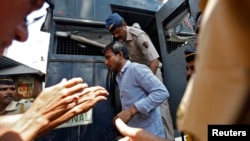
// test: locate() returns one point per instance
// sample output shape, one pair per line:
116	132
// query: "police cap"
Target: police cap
190	54
6	80
113	21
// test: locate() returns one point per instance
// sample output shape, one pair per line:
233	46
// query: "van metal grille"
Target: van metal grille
71	47
179	28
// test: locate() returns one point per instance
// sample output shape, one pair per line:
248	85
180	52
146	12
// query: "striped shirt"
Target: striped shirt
140	87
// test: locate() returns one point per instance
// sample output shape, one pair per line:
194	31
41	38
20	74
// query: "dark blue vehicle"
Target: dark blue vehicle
78	35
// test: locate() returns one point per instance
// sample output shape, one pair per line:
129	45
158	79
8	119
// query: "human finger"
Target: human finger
83	105
94	93
125	139
93	89
63	80
74	89
123	128
88	100
135	134
72	104
71	82
53	101
64	88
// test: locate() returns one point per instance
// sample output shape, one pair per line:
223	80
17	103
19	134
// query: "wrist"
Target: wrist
29	125
133	110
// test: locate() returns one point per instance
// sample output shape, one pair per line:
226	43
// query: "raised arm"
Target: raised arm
135	134
52	107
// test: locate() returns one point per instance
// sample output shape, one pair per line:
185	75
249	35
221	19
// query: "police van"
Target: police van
78	36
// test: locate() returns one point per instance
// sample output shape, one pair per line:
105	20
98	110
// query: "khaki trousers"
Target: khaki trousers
165	113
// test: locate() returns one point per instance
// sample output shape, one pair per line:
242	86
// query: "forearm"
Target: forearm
153	65
8	120
29	126
151	102
127	115
133	110
146	136
6	132
53	124
20	127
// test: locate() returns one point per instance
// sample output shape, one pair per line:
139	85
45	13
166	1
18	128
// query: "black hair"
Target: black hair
190	58
190	54
117	47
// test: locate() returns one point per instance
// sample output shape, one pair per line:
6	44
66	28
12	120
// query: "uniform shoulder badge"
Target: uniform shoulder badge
145	44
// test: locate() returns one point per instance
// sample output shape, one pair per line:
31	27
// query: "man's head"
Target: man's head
13	20
7	89
190	54
117	26
116	55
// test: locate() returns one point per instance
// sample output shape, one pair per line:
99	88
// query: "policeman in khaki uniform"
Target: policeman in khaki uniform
141	50
190	54
7	104
219	90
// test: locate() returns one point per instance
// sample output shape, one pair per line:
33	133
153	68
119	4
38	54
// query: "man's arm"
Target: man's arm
126	115
9	135
55	105
135	134
153	65
8	120
156	90
149	51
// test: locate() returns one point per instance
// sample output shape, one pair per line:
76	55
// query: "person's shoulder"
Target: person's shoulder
138	66
135	31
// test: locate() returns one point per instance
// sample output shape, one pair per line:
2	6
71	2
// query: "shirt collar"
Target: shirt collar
124	68
11	107
129	36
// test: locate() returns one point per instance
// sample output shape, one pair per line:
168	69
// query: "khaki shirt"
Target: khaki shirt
140	46
18	107
218	92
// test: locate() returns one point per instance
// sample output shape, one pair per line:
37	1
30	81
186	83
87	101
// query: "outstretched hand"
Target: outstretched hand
135	134
89	97
57	104
54	101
